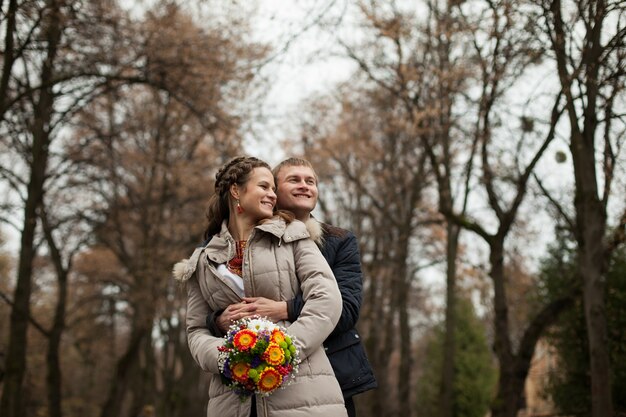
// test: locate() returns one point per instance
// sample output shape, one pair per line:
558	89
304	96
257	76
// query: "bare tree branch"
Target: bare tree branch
32	321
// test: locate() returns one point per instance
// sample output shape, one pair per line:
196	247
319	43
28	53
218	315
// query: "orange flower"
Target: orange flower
274	355
269	380
277	336
240	371
244	339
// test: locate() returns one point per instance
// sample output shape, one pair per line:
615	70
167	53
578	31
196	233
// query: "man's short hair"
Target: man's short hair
293	162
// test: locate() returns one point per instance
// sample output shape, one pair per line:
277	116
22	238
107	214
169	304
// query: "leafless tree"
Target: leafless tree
60	58
586	41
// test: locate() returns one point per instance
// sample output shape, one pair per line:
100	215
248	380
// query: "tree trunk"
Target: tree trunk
130	380
143	390
12	401
508	398
123	372
402	290
591	224
15	368
378	321
514	368
590	210
389	337
406	360
595	318
54	379
447	372
189	395
8	54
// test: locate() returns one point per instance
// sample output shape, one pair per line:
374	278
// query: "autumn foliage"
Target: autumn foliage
470	135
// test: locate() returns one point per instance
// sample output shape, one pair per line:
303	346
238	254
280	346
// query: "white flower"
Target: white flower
259	323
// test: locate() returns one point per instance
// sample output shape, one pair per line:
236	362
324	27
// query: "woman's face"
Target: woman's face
257	197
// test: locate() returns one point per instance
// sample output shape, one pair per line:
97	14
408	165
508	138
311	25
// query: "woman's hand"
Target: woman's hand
264	307
232	313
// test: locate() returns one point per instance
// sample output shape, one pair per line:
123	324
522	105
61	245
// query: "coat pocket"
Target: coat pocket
349	360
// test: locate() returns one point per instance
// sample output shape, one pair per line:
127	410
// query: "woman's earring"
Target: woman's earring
239	208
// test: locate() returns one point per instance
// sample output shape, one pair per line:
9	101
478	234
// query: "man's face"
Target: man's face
296	189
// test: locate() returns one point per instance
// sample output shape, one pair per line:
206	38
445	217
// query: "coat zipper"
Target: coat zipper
249	259
264	406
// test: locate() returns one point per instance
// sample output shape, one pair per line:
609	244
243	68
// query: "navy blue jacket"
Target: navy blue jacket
344	347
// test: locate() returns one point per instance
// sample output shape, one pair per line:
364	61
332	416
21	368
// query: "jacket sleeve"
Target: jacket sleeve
347	270
202	344
346	266
322	299
211	322
294	307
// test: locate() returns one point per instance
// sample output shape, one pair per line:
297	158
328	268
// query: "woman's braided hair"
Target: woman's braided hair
236	171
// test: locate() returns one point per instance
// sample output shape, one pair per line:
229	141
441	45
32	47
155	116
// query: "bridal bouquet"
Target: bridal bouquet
257	357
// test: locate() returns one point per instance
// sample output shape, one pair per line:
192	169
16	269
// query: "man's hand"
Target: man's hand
264	307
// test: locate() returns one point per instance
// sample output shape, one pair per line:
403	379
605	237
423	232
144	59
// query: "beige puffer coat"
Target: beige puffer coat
279	260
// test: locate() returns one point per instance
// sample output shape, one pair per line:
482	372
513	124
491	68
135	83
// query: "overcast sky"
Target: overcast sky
305	65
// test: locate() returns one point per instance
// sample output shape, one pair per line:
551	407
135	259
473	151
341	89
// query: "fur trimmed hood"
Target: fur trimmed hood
184	269
316	232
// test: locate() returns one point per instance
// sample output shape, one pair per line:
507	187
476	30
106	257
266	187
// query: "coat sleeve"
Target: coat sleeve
322	299
347	270
345	263
202	344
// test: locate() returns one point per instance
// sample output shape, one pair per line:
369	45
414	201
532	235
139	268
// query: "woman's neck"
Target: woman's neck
239	228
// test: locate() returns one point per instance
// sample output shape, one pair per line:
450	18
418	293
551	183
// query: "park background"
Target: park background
475	147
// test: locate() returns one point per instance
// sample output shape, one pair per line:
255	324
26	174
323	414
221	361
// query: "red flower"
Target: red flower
240	371
244	339
269	380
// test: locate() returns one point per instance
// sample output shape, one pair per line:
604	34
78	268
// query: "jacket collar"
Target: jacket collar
221	247
291	232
